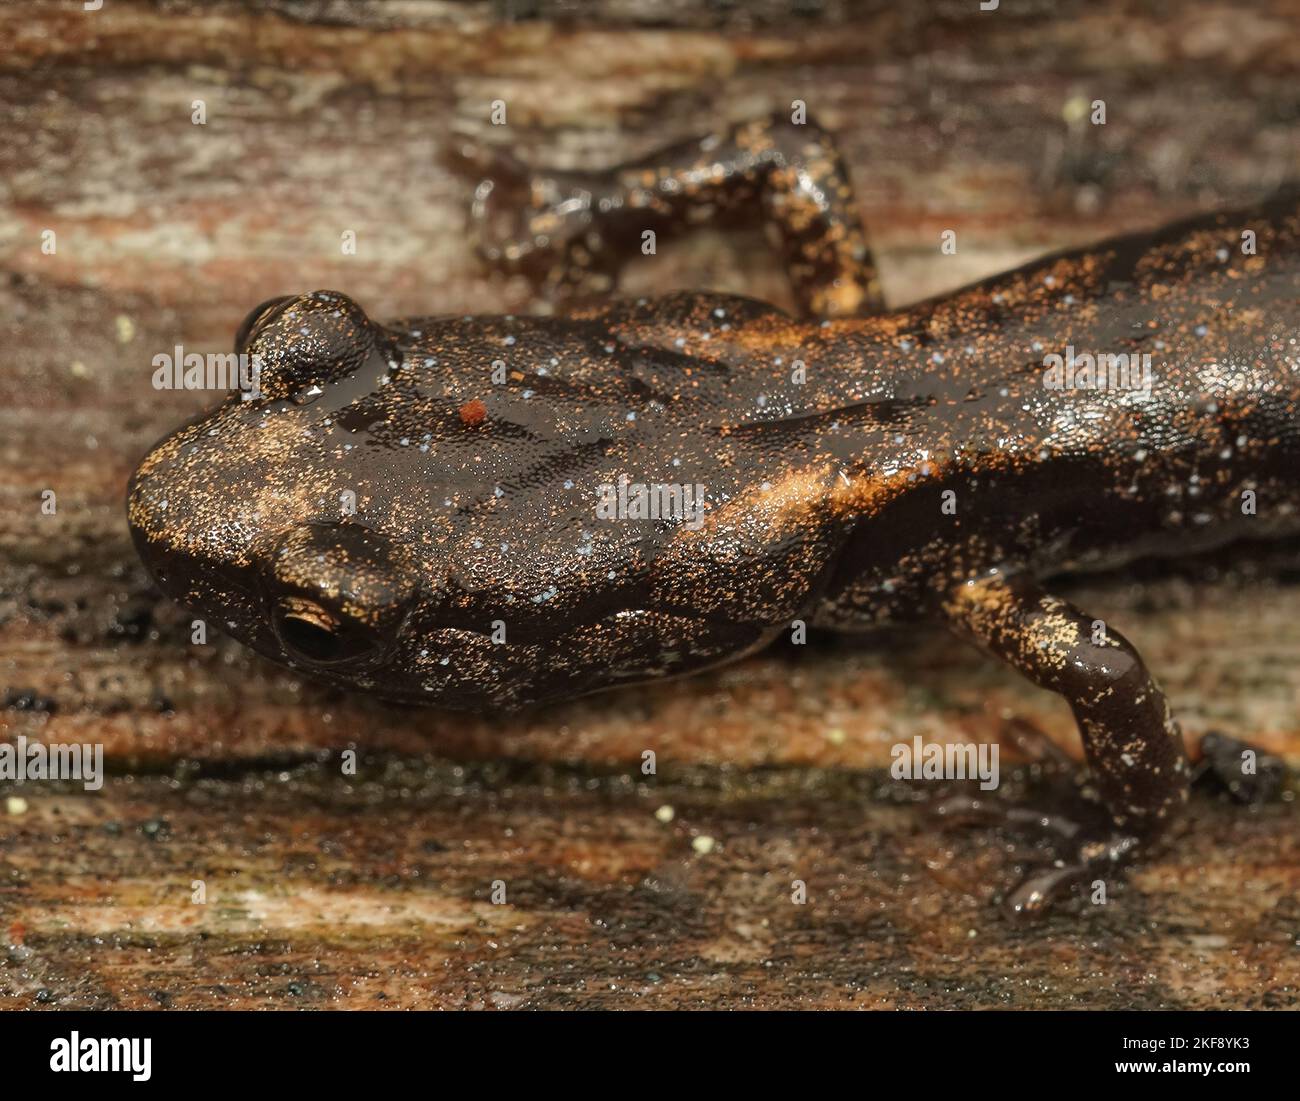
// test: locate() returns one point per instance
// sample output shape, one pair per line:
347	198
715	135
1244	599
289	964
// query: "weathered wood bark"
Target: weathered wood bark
374	889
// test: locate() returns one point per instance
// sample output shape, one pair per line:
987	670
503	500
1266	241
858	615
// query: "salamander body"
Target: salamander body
491	512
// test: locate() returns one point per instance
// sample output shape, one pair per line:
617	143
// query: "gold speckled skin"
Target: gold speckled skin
475	572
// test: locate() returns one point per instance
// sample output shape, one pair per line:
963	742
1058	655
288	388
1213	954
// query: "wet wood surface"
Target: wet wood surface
529	862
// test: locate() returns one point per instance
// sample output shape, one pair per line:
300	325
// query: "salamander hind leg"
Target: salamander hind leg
1138	770
572	232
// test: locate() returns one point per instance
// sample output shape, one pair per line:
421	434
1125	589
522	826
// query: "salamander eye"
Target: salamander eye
314	634
337	592
258	317
312	339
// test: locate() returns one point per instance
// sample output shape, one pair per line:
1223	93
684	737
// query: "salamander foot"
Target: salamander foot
1071	846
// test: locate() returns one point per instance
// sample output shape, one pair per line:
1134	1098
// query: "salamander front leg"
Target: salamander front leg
573	231
1139	769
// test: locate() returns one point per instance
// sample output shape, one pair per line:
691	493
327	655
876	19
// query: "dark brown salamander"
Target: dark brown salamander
865	469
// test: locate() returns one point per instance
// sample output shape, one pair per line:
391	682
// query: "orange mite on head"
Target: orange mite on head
473	413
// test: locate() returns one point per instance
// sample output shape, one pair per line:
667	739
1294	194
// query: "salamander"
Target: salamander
490	512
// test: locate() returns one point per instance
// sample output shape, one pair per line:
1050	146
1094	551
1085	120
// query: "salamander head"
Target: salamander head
384	518
235	514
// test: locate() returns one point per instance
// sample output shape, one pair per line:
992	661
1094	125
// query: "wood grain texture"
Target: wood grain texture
374	890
